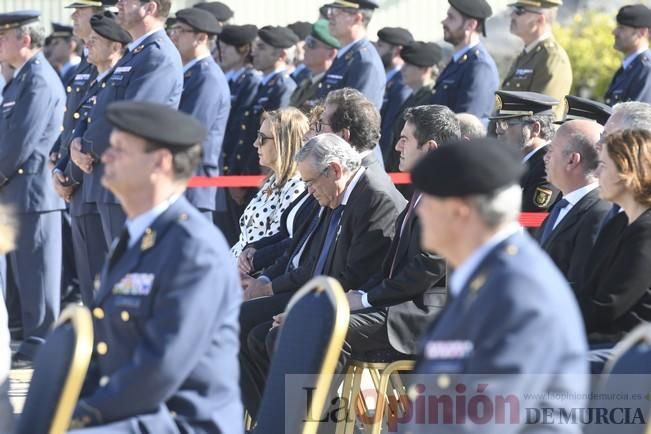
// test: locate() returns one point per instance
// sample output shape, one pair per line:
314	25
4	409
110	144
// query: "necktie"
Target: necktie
405	222
306	237
333	227
553	216
120	248
612	212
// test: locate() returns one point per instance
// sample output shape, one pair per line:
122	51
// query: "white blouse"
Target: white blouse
261	218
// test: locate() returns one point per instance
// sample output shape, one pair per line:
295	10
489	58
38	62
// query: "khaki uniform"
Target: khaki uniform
305	95
545	69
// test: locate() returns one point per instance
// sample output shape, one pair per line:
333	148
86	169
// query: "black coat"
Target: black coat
538	195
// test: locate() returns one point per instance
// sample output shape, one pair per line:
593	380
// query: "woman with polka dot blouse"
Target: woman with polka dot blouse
279	138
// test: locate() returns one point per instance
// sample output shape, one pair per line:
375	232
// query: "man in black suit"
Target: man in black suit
569	231
359	207
526	120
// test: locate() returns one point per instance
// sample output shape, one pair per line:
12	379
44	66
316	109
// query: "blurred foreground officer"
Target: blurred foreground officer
206	95
543	65
525	121
358	64
468	83
517	327
32	114
632	81
165	317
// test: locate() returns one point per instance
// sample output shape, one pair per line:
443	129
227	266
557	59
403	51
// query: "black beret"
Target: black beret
634	16
478	9
238	35
11	20
219	10
354	4
169	22
106	25
61	31
277	36
199	19
468	167
395	35
156	122
301	28
510	104
421	53
583	108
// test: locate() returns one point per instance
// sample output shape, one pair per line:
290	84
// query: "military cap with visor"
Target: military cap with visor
12	20
583	108
511	104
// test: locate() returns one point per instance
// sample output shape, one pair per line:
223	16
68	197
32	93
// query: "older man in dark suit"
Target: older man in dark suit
569	232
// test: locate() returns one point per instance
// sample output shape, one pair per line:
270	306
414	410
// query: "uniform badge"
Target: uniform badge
188	74
542	197
348	55
463	59
134	284
478	282
183	217
138	49
148	240
498	103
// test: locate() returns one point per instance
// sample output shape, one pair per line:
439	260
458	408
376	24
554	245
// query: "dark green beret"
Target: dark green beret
278	36
395	35
218	9
422	54
156	122
238	35
321	31
634	16
199	19
106	25
468	167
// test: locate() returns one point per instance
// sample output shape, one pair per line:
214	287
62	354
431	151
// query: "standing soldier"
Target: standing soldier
32	114
468	83
205	95
358	64
632	82
543	65
151	70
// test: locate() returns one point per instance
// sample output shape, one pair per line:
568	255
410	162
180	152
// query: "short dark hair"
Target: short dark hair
546	122
433	122
358	114
164	7
185	159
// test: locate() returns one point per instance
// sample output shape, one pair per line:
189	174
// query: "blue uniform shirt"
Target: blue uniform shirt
633	82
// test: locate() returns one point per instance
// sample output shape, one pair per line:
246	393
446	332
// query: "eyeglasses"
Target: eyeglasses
318	126
179	29
333	12
505	124
310	42
310	183
521	10
261	138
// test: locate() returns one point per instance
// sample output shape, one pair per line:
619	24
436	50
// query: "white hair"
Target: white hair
329	148
635	115
499	207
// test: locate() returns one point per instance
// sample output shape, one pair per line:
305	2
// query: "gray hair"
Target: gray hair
471	126
582	145
35	31
329	148
499	207
634	115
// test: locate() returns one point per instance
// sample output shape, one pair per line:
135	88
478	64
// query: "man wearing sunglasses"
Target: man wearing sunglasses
543	65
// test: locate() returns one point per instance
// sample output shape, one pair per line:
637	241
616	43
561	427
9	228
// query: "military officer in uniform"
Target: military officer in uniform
420	61
320	51
151	70
390	42
632	81
358	64
165	318
32	115
543	65
468	83
525	121
206	95
510	327
302	29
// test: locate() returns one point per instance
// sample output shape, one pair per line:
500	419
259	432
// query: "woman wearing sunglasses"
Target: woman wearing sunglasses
279	138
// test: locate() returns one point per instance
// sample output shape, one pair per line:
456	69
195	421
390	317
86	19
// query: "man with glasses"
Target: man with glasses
206	95
320	51
543	65
358	64
525	120
632	81
468	83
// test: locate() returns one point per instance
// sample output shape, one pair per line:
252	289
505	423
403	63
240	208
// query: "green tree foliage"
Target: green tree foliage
588	40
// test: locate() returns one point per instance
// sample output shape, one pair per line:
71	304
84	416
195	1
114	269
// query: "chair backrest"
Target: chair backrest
310	342
627	373
60	367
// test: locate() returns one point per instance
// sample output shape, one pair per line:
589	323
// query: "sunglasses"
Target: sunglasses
521	10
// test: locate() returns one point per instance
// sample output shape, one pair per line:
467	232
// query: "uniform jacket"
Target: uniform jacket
165	321
32	115
395	95
360	68
538	194
206	97
150	72
514	328
632	83
468	85
305	96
